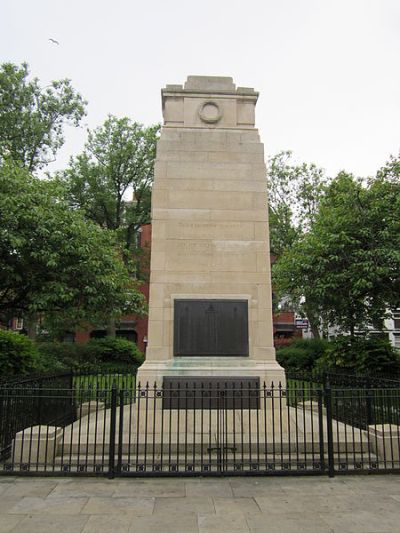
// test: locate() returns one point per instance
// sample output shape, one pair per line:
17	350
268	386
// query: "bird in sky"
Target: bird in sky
53	41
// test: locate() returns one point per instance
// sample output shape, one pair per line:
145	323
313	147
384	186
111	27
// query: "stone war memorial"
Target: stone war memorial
210	397
210	309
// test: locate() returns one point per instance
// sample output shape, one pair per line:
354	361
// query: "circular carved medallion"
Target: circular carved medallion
210	112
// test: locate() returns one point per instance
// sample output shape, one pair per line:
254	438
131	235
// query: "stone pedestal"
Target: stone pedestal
36	445
385	441
210	227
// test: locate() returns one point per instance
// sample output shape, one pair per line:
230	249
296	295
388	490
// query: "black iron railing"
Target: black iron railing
51	399
237	429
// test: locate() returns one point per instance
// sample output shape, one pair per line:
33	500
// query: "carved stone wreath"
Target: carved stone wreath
210	112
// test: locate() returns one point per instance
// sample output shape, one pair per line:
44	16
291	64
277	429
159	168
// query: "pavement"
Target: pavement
343	504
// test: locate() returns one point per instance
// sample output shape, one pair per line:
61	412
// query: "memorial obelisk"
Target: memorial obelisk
210	308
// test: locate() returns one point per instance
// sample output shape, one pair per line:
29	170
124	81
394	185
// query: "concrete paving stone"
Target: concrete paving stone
363	521
8	521
7	502
31	505
184	505
305	486
131	506
149	488
38	488
106	523
51	524
7	479
288	523
380	501
208	487
4	487
250	487
209	523
288	503
370	484
226	506
181	523
82	489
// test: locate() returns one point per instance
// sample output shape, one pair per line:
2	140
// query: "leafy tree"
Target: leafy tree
347	267
53	260
295	192
111	180
32	117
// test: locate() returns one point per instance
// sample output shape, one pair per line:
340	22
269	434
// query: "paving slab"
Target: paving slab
227	506
8	522
245	487
104	523
34	488
150	488
209	523
131	506
190	504
7	502
33	505
183	522
83	489
51	524
208	487
288	523
363	521
367	504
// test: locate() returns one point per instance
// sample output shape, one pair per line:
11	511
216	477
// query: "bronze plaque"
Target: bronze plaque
211	393
211	327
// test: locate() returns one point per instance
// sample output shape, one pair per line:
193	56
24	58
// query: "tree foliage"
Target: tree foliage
346	268
295	192
18	354
53	260
111	180
32	117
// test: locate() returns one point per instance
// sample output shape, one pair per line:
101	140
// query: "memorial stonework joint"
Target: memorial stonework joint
210	239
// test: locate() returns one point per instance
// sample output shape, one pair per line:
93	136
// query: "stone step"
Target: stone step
84	447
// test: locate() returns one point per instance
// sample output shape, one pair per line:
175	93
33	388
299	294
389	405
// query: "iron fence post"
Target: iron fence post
120	429
321	429
368	398
328	401
113	418
40	393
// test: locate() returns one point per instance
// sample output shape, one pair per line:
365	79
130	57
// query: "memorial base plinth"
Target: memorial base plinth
270	373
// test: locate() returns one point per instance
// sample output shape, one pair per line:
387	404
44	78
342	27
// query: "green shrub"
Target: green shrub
301	354
18	354
105	354
113	350
361	355
63	355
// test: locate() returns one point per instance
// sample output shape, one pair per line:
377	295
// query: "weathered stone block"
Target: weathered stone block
36	445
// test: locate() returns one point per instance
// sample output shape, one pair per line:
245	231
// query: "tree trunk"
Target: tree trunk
314	321
111	328
31	326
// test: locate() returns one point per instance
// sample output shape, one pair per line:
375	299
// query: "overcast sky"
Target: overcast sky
327	70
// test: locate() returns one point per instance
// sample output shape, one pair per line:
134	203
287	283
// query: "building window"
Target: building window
397	341
19	324
396	318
